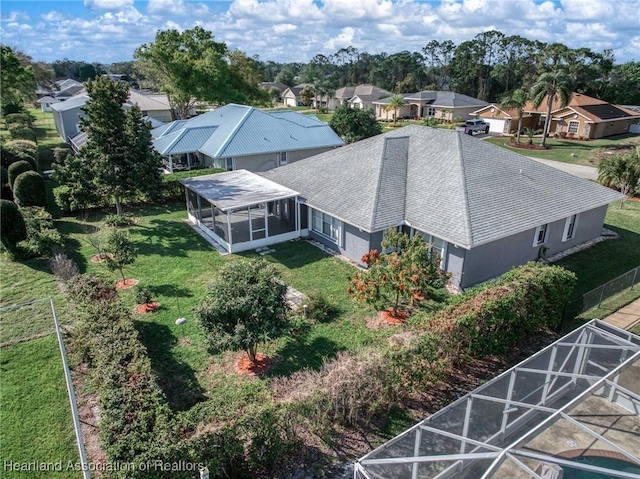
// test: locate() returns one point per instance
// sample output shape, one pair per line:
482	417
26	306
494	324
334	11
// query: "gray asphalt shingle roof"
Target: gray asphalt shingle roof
445	99
239	130
454	186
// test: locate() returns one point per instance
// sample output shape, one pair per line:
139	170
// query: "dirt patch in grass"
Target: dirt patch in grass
126	283
527	146
388	317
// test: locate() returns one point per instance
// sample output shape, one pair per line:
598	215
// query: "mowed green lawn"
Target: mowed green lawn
574	151
176	264
35	416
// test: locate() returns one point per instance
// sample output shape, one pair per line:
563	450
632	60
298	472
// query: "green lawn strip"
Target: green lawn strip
47	135
35	415
611	304
570	151
608	259
24	282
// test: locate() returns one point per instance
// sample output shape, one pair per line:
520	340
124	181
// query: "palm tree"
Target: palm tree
621	172
516	101
396	102
553	86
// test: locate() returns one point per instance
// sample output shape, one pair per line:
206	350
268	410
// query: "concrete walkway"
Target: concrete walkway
627	317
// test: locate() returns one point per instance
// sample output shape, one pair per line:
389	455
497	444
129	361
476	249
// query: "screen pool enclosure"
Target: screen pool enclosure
578	398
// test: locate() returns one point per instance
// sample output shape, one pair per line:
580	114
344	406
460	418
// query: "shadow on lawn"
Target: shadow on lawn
176	378
168	237
299	354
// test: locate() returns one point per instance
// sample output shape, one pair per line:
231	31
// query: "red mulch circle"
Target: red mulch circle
147	307
399	318
247	368
98	258
126	284
418	296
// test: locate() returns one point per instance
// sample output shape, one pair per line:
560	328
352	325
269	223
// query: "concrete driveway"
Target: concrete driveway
588	172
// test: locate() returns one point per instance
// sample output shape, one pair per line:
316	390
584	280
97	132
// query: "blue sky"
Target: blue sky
107	31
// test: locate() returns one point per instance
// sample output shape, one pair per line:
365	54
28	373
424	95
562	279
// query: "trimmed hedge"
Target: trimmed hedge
172	189
12	227
496	317
19	132
16	169
17	150
42	238
23	119
29	189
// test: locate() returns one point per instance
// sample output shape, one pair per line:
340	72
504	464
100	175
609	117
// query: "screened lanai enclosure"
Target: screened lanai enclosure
571	411
241	210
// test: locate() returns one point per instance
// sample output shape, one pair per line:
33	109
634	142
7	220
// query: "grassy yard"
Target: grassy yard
176	264
609	259
34	412
47	135
573	151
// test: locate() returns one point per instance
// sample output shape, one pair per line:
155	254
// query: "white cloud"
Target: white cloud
16	16
284	28
52	16
359	9
578	10
107	4
344	39
173	7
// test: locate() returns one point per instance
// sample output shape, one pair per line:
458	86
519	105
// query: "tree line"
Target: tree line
488	66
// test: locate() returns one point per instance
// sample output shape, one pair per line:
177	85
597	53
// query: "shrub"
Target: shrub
63	268
20	132
143	295
122	252
23	119
118	220
320	308
29	189
12	227
172	189
42	238
494	318
87	289
16	169
16	150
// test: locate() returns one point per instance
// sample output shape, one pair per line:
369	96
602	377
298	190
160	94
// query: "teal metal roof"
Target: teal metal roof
239	130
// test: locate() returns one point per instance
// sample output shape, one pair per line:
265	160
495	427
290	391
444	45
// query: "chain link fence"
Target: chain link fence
595	297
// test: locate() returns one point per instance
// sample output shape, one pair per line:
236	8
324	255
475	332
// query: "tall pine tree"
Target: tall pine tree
118	157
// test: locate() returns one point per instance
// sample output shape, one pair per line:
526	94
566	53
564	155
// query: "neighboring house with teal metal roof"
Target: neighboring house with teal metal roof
242	137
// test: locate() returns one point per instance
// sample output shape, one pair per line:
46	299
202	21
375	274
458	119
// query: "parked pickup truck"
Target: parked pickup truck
476	126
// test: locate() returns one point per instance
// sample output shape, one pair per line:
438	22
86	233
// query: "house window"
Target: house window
570	228
229	164
326	225
283	158
573	126
542	119
540	236
431	111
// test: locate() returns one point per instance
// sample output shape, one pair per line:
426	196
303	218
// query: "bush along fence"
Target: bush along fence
596	296
256	438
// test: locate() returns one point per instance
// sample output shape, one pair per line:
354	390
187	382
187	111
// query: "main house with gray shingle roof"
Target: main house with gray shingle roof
483	208
238	137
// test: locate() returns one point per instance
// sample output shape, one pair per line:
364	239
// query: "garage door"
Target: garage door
495	124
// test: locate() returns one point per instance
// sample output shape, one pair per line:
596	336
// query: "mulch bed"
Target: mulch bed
245	367
99	258
147	307
526	146
399	318
126	284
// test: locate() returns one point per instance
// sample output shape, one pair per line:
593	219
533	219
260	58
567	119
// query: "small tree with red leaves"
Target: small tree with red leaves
408	267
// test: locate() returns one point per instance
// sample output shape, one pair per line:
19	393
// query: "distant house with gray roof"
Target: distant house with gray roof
67	114
361	96
482	208
291	96
242	137
443	105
